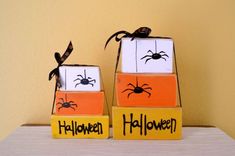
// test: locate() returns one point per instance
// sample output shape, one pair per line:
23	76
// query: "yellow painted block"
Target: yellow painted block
80	126
147	123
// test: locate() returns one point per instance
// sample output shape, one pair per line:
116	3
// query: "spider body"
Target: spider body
155	56
84	80
65	104
138	89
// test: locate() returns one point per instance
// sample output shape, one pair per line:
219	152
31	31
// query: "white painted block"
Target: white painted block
80	78
141	55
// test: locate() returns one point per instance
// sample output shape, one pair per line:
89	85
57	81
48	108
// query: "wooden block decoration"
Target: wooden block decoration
149	55
147	90
147	123
80	126
79	103
80	78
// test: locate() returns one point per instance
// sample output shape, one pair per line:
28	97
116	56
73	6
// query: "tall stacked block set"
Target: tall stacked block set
146	92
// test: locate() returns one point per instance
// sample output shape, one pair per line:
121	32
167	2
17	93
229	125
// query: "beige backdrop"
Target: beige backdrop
31	31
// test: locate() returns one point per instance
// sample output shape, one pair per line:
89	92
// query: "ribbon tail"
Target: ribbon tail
52	73
67	52
118	56
116	34
57	57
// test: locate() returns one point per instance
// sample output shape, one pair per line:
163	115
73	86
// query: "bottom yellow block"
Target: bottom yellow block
80	126
147	123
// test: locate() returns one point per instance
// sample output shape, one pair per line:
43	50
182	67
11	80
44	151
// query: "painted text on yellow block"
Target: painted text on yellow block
147	123
80	126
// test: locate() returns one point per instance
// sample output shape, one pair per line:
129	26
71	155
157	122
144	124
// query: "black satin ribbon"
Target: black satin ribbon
60	60
142	32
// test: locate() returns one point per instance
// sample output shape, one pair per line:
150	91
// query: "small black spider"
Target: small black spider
155	56
137	89
65	104
84	80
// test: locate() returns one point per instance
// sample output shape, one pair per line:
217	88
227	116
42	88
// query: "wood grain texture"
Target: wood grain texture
37	140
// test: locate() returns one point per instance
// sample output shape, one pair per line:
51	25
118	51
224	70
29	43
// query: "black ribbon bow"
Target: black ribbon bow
60	60
142	32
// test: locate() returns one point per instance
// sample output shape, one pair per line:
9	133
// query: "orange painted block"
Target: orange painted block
148	90
79	103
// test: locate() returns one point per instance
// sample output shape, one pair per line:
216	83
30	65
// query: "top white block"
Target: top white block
80	78
148	55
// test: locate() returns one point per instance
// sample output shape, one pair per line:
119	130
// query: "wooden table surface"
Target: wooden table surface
36	140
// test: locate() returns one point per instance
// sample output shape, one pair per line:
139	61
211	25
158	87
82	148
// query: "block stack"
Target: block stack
146	91
79	104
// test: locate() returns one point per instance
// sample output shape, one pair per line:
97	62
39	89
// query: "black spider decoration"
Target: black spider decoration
137	89
85	80
156	55
65	104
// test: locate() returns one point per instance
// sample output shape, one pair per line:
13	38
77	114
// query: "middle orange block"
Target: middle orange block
79	103
147	90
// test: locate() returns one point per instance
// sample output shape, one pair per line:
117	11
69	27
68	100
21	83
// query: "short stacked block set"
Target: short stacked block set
79	104
146	91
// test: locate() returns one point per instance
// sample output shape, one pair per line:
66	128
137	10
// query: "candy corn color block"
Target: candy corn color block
80	78
147	123
149	55
148	90
79	103
80	126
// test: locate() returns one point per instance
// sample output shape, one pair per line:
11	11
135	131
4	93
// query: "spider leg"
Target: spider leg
127	90
76	79
72	108
59	103
130	84
60	108
161	52
144	85
93	81
150	51
148	88
77	84
91	84
146	56
130	94
147	93
147	60
62	99
165	55
163	58
80	76
73	104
